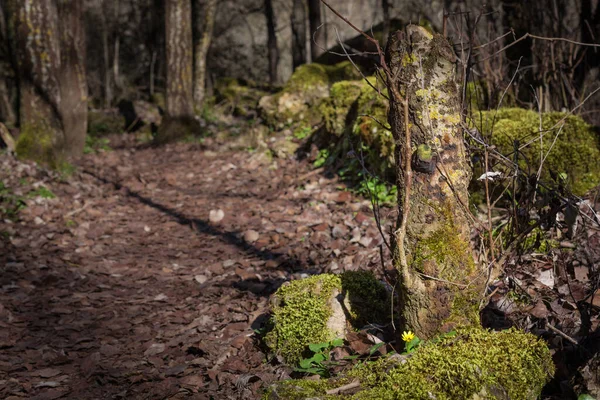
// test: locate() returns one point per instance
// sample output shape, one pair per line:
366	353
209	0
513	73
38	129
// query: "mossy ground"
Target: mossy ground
300	311
474	363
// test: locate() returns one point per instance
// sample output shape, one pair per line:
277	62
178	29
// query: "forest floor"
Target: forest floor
145	273
124	285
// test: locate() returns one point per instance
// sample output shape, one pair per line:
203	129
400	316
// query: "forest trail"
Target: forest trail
126	286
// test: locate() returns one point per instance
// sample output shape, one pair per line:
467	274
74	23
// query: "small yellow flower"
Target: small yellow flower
408	336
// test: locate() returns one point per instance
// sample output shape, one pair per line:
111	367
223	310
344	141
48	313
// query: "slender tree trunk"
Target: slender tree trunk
108	92
271	42
201	50
72	76
298	23
7	111
385	5
37	45
317	32
179	119
440	283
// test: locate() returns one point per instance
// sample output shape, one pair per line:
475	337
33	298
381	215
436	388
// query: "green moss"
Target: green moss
237	97
574	152
300	315
306	87
450	252
336	109
37	142
104	122
300	309
371	129
474	363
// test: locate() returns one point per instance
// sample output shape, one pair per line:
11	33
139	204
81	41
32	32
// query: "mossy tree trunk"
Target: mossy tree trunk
72	77
179	117
7	74
37	45
201	49
440	283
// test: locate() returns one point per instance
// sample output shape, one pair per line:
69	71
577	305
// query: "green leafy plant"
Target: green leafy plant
321	158
42	192
10	204
320	360
95	144
378	190
302	132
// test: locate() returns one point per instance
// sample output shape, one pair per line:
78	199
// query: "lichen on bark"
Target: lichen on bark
440	282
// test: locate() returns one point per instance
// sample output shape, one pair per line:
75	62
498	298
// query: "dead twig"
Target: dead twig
351	385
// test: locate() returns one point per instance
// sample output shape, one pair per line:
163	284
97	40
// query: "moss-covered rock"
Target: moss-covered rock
238	97
104	122
571	145
336	110
307	86
372	129
473	364
316	309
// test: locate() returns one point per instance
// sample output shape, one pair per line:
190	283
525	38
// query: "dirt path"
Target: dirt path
121	287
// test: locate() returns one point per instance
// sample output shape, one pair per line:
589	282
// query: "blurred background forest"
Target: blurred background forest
120	45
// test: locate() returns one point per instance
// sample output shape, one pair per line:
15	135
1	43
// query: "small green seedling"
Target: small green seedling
318	363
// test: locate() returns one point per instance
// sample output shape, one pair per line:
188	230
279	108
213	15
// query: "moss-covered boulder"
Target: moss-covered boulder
238	97
570	146
371	128
339	109
471	364
319	308
104	122
307	86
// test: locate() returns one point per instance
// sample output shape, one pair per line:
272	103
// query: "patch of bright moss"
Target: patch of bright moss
473	364
573	144
300	315
237	97
300	309
335	110
306	87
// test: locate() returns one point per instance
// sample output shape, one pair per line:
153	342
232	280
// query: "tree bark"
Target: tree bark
271	42
7	111
37	38
298	23
179	119
385	5
440	283
201	50
317	32
72	76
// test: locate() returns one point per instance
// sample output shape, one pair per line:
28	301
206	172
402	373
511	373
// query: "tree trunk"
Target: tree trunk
179	119
37	46
7	111
271	42
298	23
72	76
385	5
317	32
440	283
201	50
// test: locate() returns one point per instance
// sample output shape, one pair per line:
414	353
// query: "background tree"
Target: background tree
179	99
318	42
72	76
7	73
272	49
37	42
201	46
